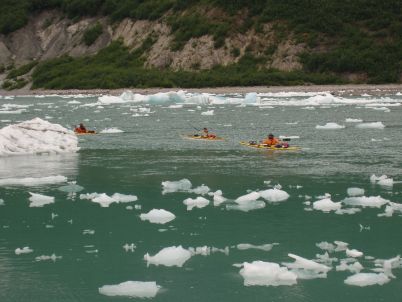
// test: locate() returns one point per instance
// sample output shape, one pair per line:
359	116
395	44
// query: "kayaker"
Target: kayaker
271	141
81	129
206	134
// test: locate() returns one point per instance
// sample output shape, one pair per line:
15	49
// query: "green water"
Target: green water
151	151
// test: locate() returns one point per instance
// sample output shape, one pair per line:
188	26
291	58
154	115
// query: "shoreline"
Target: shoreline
353	89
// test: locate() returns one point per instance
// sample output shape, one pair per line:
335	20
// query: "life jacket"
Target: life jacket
79	130
271	142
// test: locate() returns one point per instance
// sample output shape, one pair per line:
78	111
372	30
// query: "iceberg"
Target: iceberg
33	181
375	125
36	136
266	274
111	130
307	269
363	201
132	289
326	205
330	126
367	279
274	195
169	256
199	202
39	200
158	216
105	201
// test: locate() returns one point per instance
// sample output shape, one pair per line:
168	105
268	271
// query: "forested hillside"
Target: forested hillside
179	43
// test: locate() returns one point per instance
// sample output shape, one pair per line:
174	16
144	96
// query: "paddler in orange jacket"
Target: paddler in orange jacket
80	129
271	141
206	134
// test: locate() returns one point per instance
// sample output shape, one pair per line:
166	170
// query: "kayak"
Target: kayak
85	133
202	138
273	148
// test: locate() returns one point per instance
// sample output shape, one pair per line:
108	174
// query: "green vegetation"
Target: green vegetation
92	34
14	84
22	70
116	67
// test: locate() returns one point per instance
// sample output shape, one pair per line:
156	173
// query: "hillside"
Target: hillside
60	44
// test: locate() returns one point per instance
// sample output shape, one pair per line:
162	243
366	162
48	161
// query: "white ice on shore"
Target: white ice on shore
326	205
33	181
375	125
367	279
307	269
330	126
111	130
39	200
36	136
363	201
132	289
169	256
266	274
105	201
199	202
159	216
24	250
355	192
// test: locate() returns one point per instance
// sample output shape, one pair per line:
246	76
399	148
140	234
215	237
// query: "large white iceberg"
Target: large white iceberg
266	274
367	279
158	216
169	256
36	136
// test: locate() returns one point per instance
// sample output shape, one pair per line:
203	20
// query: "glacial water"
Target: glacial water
86	240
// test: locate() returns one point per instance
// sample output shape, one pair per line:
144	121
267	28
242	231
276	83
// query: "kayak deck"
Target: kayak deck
273	148
203	138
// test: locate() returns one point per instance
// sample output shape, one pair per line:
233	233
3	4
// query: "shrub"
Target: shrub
92	34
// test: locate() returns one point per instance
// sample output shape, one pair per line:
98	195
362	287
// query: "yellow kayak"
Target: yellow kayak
203	138
273	148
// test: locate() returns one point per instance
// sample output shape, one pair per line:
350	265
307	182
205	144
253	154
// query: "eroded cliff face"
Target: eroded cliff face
50	35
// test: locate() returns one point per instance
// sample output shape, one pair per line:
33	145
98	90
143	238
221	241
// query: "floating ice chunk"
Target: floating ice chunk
274	195
109	99
200	190
2	203
218	198
199	202
349	211
32	181
132	289
326	246
247	198
353	120
74	102
264	247
354	268
111	130
376	125
363	201
88	232
354	253
326	205
39	200
341	246
129	247
36	137
52	257
367	279
169	256
390	209
104	200
158	216
208	112
325	259
307	269
72	187
382	180
355	192
266	274
176	186
330	126
24	250
247	206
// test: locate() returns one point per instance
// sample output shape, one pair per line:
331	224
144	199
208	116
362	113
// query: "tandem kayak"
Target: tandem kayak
273	148
203	138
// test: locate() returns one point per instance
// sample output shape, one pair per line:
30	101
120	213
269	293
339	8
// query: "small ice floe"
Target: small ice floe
363	201
39	200
341	246
353	120
105	201
274	195
169	256
252	196
325	259
159	216
307	269
354	253
367	279
129	247
208	112
344	265
111	130
206	250
390	209
132	289
217	197
199	202
386	265
375	125
264	247
382	180
326	246
330	126
74	102
348	211
262	273
183	185
248	206
33	181
355	192
326	205
52	257
24	250
72	187
88	232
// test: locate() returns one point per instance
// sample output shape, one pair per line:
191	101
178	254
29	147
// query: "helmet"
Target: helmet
270	135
